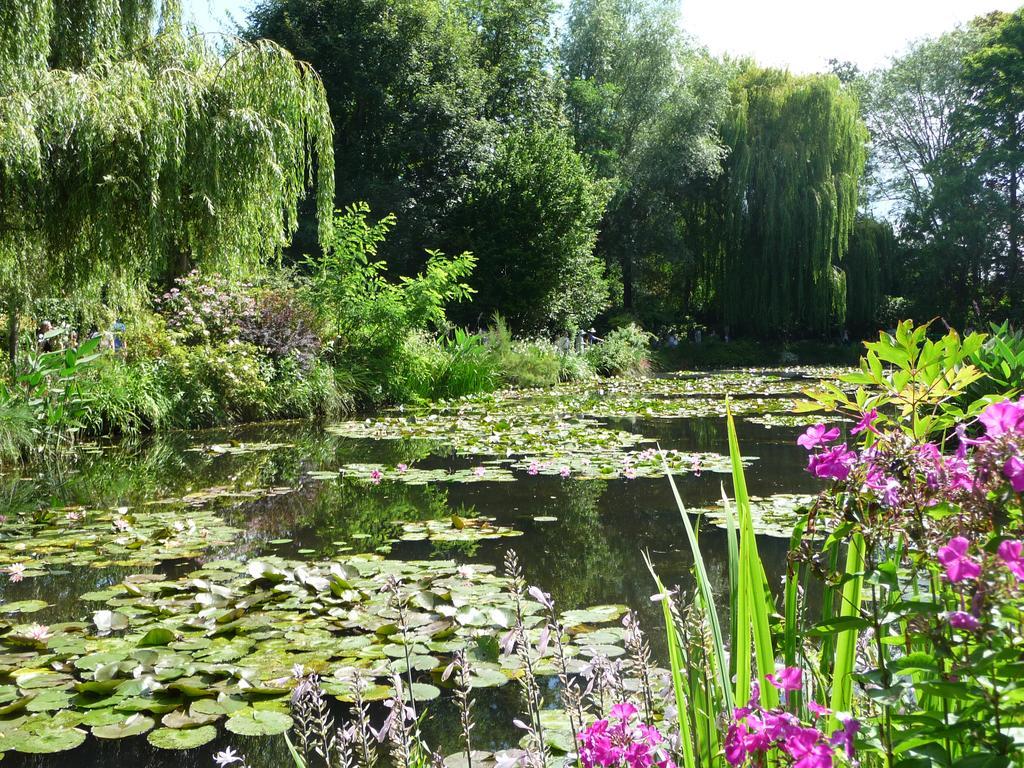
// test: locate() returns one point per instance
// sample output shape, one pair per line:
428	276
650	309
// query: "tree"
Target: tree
773	230
994	118
132	150
644	107
531	222
868	266
407	98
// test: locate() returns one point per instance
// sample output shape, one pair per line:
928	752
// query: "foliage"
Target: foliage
131	149
206	308
526	363
371	316
18	431
920	379
283	326
532	222
773	229
406	98
869	269
624	352
1001	359
644	106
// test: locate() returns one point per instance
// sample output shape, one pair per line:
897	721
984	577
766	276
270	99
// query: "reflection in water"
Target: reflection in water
590	553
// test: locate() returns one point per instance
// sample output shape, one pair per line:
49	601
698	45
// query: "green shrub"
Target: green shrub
17	427
216	384
574	367
1001	359
522	363
624	352
302	390
128	398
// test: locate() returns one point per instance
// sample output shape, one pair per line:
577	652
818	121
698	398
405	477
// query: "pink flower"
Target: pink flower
1014	471
39	632
963	620
817	709
375	476
1012	554
697	468
564	472
866	423
844	737
817	435
959	566
789	679
623	711
1002	418
833	464
534	468
629	473
16	572
403	468
479	471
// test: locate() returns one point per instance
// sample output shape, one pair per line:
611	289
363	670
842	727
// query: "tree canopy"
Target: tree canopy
130	148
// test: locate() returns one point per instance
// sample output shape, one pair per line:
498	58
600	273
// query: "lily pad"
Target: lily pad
182	738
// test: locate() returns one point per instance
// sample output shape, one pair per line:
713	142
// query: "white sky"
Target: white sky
800	34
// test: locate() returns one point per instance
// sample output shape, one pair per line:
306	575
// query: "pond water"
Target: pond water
305	492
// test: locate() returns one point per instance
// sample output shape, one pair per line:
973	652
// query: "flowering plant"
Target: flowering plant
623	741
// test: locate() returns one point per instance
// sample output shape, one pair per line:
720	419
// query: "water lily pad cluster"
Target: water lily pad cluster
224	645
774	515
58	538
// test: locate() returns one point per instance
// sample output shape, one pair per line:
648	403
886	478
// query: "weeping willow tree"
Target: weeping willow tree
132	150
773	229
868	264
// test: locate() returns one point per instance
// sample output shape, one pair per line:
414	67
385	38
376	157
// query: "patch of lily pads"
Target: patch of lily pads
51	540
776	515
225	645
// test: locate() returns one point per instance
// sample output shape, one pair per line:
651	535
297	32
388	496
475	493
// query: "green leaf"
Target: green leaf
184	738
258	722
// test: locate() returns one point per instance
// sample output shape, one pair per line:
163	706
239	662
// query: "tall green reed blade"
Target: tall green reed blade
732	537
791	629
846	643
705	594
678	667
752	593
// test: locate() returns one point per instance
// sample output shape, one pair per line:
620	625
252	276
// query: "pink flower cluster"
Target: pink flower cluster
754	730
832	463
621	740
1004	427
961	566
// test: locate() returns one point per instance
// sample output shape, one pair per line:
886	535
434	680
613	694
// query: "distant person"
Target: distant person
44	341
846	337
593	338
696	336
118	338
725	335
673	340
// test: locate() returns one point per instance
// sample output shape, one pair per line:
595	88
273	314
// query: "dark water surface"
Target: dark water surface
590	554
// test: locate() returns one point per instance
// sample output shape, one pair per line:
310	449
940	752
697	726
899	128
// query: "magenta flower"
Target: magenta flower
375	476
1002	418
833	464
623	742
534	468
866	423
963	620
565	472
789	679
403	468
817	435
817	709
959	566
845	736
1012	554
1014	471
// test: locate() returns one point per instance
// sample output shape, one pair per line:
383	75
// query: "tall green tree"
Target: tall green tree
130	149
773	229
408	101
644	107
532	222
869	267
993	117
